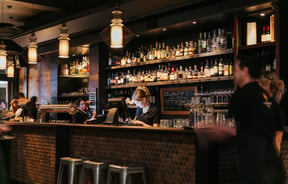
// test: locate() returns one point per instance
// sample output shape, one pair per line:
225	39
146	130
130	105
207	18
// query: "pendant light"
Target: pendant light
32	49
10	69
63	42
3	56
116	35
116	30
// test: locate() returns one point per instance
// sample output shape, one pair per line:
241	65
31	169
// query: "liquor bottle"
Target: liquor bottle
220	67
263	35
180	73
200	43
191	49
189	76
168	52
159	73
156	50
195	72
151	53
223	41
218	38
204	43
163	51
186	49
226	69
206	69
216	71
201	73
231	68
178	51
214	41
211	69
159	52
195	48
181	49
128	56
172	74
209	43
268	36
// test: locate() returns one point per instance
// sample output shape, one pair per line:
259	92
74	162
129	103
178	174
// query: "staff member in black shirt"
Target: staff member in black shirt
146	113
255	113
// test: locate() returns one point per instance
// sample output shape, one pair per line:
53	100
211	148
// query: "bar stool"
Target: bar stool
71	164
97	170
125	172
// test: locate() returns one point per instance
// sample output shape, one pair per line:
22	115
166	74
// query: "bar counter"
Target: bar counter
170	155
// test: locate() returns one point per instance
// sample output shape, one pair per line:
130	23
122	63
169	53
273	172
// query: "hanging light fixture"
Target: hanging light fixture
10	68
116	35
63	42
3	56
116	30
32	49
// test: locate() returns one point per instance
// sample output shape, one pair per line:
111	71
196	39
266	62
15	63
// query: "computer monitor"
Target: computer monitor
117	108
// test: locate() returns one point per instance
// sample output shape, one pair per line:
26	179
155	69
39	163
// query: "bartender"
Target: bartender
146	113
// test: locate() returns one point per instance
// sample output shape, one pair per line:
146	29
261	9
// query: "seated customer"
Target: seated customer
81	116
146	113
31	109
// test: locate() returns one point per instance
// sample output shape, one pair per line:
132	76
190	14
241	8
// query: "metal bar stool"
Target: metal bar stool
71	164
125	173
97	170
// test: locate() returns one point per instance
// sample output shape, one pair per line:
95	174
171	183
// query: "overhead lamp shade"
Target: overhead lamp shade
116	35
10	69
63	42
32	50
3	56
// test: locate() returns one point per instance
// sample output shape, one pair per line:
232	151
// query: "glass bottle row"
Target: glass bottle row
205	43
167	72
76	67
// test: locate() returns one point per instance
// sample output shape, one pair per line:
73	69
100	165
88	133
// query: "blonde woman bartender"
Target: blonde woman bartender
146	113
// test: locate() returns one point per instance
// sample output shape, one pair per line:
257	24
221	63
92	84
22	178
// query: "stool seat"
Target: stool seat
71	164
96	168
125	173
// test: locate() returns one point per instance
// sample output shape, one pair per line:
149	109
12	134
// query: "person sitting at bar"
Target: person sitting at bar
21	99
146	113
81	116
31	108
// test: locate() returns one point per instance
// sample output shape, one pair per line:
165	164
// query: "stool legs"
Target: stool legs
60	173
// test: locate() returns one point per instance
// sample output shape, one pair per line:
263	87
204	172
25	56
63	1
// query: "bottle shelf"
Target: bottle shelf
180	58
75	76
163	83
258	45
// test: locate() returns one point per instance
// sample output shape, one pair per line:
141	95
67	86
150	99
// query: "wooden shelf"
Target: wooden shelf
256	46
182	58
163	83
74	76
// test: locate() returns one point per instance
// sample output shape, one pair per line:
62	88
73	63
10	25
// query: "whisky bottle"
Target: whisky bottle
216	71
206	69
214	41
200	43
226	69
204	43
191	49
231	68
186	49
220	67
209	43
211	68
163	51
